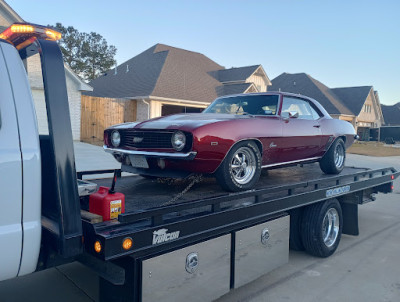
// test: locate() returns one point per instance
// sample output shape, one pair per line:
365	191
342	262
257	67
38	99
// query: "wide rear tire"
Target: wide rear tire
333	160
241	168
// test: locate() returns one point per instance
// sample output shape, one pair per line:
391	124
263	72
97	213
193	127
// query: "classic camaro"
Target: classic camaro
233	139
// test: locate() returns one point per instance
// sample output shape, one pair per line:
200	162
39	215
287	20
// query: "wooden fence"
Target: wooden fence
99	113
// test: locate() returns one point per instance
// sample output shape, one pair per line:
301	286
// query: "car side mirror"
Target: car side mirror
289	114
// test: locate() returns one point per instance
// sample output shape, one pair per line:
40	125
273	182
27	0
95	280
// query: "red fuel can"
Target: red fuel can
109	205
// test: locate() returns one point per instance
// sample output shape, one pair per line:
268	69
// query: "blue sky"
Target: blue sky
340	43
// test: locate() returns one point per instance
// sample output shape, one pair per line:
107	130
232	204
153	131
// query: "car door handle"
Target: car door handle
317	126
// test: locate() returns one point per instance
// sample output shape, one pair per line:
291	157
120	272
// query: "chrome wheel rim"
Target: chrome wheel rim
243	165
339	156
330	227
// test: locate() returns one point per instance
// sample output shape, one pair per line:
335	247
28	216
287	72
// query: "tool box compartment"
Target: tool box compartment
199	272
260	249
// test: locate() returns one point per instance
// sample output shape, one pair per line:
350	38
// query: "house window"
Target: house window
367	108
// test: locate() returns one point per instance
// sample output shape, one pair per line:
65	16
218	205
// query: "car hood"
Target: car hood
186	121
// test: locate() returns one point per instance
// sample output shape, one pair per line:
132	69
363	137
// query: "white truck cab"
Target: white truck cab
39	205
20	172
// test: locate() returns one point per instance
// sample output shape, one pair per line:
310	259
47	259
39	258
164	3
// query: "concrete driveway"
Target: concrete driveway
364	268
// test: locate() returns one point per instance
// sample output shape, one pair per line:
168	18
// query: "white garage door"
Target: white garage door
41	114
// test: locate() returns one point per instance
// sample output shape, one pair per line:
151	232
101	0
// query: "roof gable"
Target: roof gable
353	97
236	73
302	83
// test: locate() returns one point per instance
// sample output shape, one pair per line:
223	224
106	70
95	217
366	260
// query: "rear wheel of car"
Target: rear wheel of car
321	228
334	158
241	168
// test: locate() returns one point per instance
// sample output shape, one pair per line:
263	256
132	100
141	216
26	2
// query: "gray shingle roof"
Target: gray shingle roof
304	84
185	75
232	88
163	71
236	73
391	114
353	97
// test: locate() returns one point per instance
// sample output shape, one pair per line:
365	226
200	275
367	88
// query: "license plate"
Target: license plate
138	161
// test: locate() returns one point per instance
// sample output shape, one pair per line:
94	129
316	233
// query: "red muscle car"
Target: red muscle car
233	139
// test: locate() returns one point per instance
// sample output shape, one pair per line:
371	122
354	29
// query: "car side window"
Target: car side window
302	107
314	113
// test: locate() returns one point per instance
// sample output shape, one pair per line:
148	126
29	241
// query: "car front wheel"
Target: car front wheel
241	168
334	158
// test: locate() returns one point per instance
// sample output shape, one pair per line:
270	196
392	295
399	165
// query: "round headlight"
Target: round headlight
115	138
178	140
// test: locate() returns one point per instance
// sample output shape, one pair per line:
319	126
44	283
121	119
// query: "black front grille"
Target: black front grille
147	139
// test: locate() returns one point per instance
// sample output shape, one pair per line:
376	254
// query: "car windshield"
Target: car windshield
252	104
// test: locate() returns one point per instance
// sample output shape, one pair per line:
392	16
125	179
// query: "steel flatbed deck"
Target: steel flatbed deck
206	210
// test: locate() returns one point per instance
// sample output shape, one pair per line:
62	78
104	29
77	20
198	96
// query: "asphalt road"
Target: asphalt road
364	268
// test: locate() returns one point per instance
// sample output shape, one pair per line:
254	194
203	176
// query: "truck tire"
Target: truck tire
333	160
321	228
295	242
241	167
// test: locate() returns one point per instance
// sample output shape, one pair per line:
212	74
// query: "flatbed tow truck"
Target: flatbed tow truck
171	244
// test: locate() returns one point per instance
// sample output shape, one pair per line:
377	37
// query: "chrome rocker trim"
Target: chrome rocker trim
184	156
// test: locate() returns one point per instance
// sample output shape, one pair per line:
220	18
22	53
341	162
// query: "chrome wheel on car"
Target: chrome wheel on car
241	168
333	160
339	155
243	165
330	227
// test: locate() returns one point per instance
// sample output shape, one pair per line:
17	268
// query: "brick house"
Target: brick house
358	105
164	80
75	86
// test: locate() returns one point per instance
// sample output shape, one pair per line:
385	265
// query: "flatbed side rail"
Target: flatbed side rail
155	214
254	207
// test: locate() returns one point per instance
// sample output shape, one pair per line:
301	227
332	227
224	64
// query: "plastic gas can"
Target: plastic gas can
107	204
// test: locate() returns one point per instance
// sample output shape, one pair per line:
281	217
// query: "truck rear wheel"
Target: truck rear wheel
321	228
295	241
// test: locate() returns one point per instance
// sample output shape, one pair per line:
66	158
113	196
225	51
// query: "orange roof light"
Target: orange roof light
23	34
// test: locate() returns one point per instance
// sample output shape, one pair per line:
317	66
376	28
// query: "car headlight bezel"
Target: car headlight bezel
178	140
115	138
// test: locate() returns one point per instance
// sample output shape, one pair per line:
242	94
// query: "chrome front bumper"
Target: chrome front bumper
184	156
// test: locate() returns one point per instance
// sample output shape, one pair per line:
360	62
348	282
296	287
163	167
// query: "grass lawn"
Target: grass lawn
373	149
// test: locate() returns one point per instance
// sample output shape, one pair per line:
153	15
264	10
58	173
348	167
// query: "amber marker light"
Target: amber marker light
97	246
127	243
53	35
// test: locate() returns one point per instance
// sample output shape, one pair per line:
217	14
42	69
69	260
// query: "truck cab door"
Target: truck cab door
10	179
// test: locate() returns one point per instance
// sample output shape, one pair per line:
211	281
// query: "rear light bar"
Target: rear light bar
23	34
